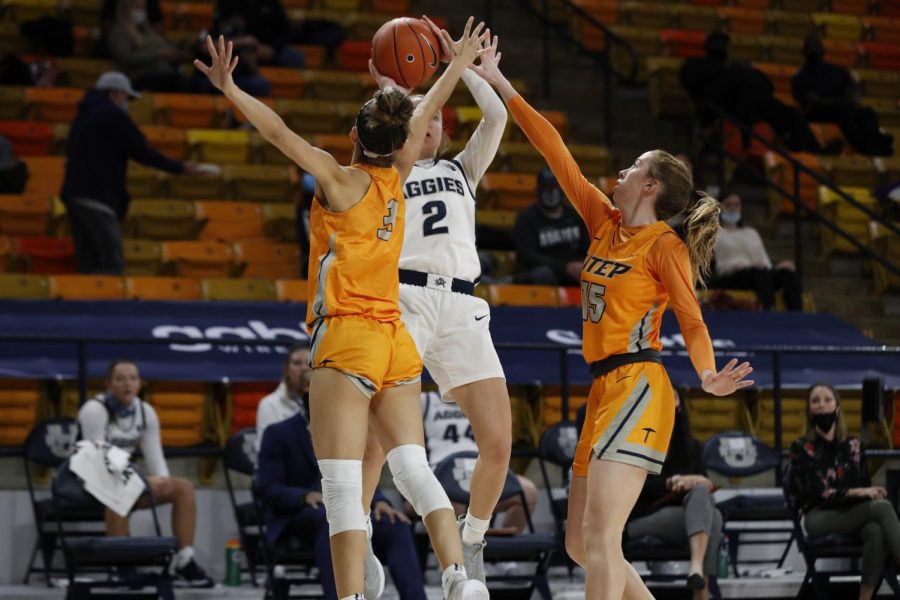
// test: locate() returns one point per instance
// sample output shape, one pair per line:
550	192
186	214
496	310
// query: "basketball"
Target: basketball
407	51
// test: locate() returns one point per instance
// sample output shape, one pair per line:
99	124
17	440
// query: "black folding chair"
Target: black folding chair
830	546
649	549
47	445
87	554
739	454
239	455
455	473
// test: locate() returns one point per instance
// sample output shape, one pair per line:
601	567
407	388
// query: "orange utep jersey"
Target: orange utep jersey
353	255
631	274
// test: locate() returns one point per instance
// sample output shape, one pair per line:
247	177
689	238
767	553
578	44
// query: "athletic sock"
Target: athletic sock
474	529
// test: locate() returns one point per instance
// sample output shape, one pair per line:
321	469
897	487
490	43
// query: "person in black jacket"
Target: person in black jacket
551	239
677	505
102	140
827	93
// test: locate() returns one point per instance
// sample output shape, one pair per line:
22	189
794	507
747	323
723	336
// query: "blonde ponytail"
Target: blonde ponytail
701	231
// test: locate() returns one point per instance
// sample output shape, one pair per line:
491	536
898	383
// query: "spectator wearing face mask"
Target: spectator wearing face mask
102	139
741	261
550	237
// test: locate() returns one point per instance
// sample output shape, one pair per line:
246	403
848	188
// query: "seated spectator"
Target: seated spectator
260	28
834	491
289	482
827	93
13	172
747	95
102	139
741	261
121	418
551	239
447	431
677	505
142	52
291	395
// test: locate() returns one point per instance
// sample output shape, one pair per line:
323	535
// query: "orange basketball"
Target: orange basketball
406	50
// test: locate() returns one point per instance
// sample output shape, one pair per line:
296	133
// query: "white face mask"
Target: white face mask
139	16
731	217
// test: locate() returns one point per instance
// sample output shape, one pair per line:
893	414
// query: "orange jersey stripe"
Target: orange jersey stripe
354	255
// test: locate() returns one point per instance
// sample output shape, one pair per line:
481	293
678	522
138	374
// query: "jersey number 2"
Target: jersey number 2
435	210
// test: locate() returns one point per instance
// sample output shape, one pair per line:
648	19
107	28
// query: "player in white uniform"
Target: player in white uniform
124	420
439	268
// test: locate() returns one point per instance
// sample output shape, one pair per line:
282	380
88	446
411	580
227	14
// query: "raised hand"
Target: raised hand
384	81
489	63
468	47
445	48
223	65
729	379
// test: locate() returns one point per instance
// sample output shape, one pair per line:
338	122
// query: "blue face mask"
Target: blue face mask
731	217
117	408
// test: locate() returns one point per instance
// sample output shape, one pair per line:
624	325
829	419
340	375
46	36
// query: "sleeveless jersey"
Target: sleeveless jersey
353	254
447	430
440	221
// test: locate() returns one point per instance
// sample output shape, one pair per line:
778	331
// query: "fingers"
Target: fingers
221	45
201	67
744	384
211	48
234	65
478	30
468	28
494	43
229	48
403	518
497	58
392	516
447	39
728	367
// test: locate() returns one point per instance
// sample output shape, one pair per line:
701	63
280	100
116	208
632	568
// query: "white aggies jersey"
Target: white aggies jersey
440	221
447	430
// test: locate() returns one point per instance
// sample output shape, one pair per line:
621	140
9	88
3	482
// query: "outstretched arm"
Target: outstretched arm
317	162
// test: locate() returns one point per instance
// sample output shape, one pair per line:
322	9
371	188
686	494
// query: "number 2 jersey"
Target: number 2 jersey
630	274
353	254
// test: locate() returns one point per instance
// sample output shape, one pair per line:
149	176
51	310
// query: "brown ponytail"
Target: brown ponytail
382	124
677	196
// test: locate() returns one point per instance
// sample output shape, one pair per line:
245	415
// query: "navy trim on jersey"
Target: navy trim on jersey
631	410
465	177
641	456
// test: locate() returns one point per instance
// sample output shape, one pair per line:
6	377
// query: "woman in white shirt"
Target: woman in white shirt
742	261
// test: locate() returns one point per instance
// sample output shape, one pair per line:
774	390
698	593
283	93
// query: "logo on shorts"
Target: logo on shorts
481	317
441	282
648	431
325	362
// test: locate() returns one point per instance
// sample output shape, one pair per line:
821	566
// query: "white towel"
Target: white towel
107	475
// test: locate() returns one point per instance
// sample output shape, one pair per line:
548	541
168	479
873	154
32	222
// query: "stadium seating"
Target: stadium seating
19	402
180	407
52	105
142	257
45	255
198	259
245	398
28	138
24	215
265	259
340	146
292	290
523	295
280	222
240	290
162	220
219	146
187	111
286	83
229	221
845	216
162	288
171	141
87	287
14	286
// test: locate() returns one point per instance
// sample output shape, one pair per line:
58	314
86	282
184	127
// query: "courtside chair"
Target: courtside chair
239	456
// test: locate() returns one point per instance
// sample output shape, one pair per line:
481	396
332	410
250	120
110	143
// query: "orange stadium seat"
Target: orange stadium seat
239	290
28	138
171	141
280	222
754	4
24	214
552	406
341	5
523	295
262	183
186	111
734	141
292	290
45	256
46	175
162	220
142	257
882	55
6	251
391	7
267	259
842	52
83	72
340	146
87	287
852	171
779	75
781	173
53	105
512	191
742	20
162	288
198	259
353	55
882	29
850	7
229	221
15	286
180	406
193	16
801	6
245	399
314	55
684	43
19	402
285	82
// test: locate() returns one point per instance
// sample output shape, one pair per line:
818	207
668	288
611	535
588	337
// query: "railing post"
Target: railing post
798	228
82	372
545	49
564	381
607	95
776	400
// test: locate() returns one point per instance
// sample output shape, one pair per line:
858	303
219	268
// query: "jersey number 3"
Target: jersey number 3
592	302
435	210
384	233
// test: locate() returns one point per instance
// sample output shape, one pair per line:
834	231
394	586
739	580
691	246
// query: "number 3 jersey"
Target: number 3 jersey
447	430
353	254
440	221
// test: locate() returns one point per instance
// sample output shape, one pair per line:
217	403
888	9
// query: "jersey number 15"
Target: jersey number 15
592	302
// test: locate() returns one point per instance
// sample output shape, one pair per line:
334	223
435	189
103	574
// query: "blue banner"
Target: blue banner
190	357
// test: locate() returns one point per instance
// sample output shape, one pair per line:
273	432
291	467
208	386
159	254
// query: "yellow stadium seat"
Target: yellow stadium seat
262	183
266	259
292	290
15	286
12	101
162	220
186	111
522	157
779	75
496	219
230	221
162	288
315	116
142	257
594	161
239	290
888	245
280	222
511	191
801	6
846	216
199	259
363	25
286	83
24	214
552	407
46	175
789	24
839	27
524	295
144	182
857	171
878	84
190	187
227	107
60	139
336	86
171	141
20	400
83	72
220	146
710	415
784	50
180	407
52	105
87	287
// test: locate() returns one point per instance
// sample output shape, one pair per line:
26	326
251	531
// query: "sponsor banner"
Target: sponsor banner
189	328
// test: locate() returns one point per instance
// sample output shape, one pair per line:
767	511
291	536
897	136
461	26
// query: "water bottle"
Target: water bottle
722	564
233	559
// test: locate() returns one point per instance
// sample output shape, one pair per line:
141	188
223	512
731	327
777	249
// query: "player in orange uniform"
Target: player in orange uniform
361	354
636	266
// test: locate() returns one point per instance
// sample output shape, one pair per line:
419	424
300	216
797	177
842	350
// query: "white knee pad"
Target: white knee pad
415	479
342	495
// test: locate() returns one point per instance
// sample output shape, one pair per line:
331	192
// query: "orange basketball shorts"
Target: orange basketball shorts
629	418
373	354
